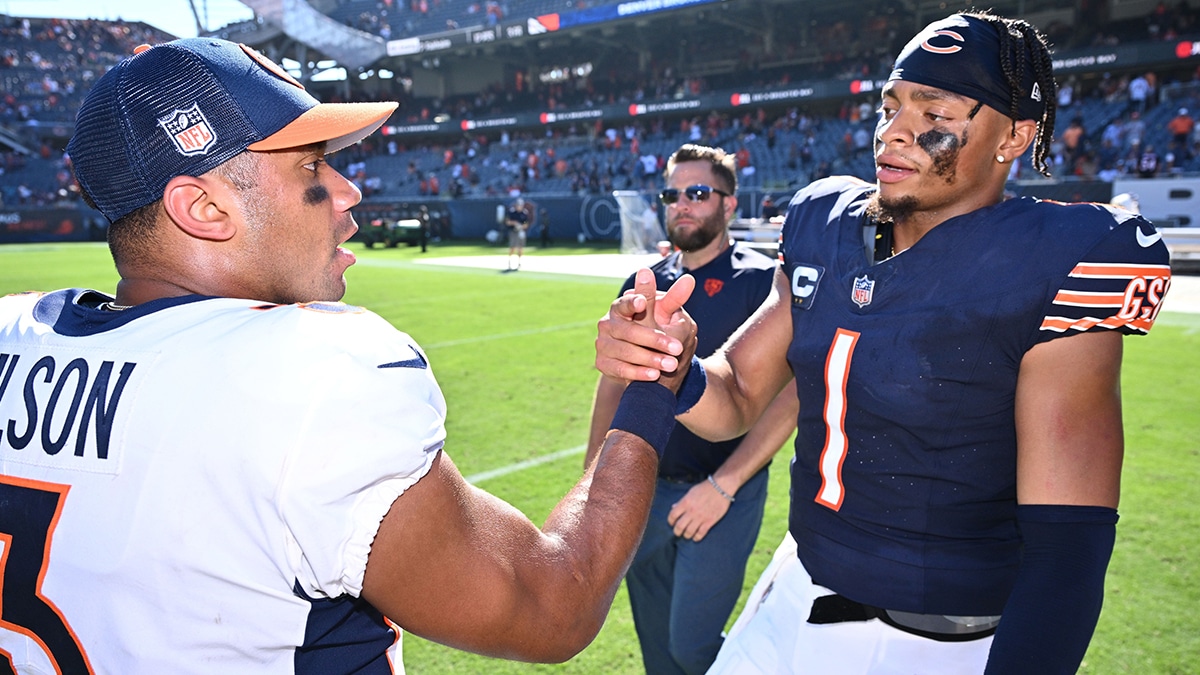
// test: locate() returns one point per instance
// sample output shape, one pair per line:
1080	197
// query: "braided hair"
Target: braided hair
1019	40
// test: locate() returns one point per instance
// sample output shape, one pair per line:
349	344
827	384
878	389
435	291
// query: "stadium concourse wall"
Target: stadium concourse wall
1168	202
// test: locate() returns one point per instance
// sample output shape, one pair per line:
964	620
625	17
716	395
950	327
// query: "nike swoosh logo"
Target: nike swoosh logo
418	362
1146	241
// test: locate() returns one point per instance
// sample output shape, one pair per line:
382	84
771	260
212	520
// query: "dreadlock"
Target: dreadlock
1019	38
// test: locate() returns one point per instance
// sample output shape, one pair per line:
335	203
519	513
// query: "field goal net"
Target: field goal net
640	227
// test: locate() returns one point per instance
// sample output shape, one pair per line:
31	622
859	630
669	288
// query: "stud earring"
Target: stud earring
1000	158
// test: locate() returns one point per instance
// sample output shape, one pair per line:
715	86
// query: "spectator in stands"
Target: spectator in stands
1114	133
1107	160
1158	22
1181	127
1139	93
1147	163
1086	164
862	140
866	111
745	164
1072	139
1066	93
1169	164
769	208
649	170
1135	130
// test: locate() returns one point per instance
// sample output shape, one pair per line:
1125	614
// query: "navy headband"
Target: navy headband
961	54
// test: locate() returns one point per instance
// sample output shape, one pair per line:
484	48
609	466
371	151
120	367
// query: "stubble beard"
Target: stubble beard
706	231
943	148
891	210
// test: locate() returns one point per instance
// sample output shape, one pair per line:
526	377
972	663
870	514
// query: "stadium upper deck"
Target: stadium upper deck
678	65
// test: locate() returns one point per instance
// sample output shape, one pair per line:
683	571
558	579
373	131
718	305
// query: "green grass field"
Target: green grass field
513	353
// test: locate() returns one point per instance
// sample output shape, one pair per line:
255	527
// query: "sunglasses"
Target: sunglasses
695	193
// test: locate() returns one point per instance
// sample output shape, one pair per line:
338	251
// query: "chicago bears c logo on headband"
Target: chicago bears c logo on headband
943	50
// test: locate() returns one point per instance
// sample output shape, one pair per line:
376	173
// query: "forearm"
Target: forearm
1055	603
765	439
732	402
595	530
590	537
747	373
459	566
604	405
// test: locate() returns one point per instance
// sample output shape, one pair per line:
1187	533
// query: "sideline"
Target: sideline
476	478
1184	295
607	265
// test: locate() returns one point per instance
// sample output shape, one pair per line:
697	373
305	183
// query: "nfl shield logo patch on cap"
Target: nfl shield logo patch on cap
189	130
863	288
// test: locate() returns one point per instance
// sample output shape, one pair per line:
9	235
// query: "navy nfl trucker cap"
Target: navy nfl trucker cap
186	107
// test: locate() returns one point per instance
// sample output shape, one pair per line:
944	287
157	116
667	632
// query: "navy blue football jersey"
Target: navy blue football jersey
904	483
728	290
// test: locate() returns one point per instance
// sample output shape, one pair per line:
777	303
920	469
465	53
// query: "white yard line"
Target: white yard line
504	336
611	265
477	478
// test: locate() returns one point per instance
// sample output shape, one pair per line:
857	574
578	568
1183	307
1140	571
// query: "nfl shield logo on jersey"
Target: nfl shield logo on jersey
863	288
189	131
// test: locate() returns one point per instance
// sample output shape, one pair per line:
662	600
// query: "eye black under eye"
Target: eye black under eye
315	195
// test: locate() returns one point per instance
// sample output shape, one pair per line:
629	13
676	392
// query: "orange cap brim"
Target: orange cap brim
338	125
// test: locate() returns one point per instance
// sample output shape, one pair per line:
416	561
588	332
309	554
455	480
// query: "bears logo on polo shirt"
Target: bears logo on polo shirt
189	130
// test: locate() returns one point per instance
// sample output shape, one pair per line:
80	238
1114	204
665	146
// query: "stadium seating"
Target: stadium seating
46	65
406	18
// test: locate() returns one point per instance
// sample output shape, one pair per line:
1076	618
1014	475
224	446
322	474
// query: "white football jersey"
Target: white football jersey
193	485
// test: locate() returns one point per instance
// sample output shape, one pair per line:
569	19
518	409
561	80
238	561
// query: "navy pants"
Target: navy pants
682	592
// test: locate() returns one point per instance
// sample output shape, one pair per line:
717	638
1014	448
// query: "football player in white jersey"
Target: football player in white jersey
177	493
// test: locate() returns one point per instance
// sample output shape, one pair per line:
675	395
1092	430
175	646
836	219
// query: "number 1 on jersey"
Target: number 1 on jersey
837	371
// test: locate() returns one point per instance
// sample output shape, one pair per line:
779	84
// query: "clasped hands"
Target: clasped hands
647	335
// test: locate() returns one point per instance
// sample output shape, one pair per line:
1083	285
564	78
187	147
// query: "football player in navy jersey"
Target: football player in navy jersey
957	359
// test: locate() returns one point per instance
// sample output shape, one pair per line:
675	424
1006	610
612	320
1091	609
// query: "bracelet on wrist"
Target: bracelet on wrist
713	482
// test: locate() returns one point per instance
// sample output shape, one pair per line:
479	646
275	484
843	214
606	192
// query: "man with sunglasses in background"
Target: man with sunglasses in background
708	504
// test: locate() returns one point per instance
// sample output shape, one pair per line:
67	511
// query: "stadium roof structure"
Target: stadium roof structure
694	37
653	29
723	40
302	21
